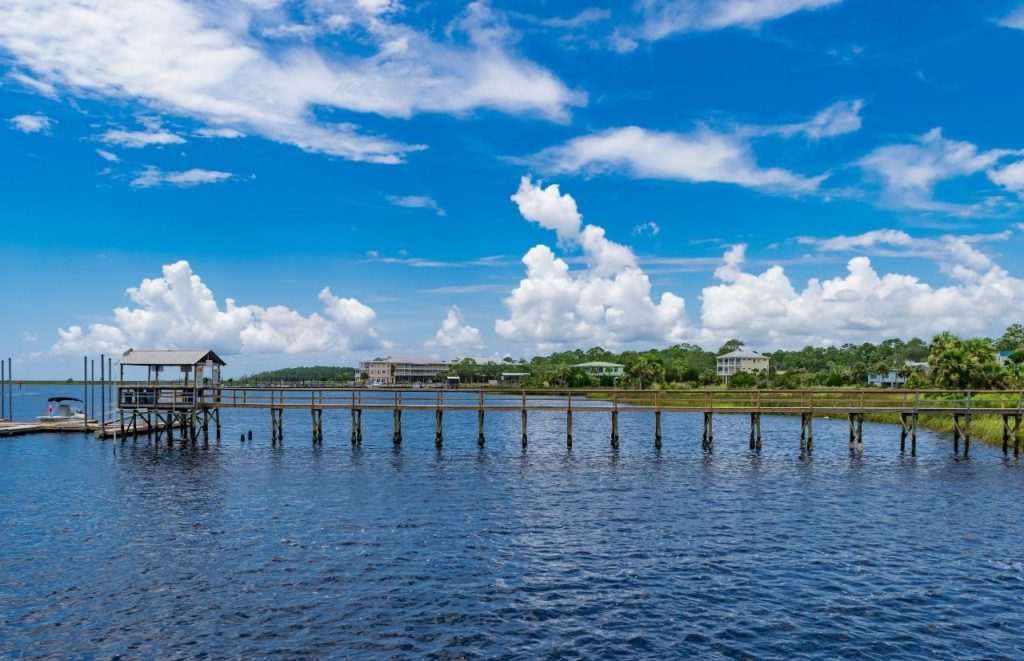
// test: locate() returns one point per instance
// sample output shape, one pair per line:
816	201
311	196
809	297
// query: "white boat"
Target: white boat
60	409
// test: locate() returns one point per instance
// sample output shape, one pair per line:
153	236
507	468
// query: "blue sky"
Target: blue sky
784	171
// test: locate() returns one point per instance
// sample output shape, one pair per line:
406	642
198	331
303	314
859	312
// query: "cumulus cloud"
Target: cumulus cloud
416	202
608	302
950	251
153	176
456	334
31	123
767	309
204	61
137	139
909	172
177	310
662	18
701	156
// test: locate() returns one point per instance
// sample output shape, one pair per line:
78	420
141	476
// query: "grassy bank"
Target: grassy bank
985	428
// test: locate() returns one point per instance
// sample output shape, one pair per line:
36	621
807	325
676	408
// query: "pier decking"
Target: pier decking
195	408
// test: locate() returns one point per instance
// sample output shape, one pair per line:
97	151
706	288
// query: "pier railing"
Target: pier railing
194	408
822	401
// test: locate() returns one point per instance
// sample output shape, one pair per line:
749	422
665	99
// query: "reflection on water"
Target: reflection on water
244	549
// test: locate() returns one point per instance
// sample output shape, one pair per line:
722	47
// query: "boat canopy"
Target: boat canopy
64	399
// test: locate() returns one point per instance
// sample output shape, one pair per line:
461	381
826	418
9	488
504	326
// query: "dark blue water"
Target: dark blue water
248	550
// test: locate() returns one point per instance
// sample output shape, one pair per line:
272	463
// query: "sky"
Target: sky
325	181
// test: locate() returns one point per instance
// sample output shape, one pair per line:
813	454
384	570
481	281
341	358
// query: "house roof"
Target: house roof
597	363
739	353
405	360
171	357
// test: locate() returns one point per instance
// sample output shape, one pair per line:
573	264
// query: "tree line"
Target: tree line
952	362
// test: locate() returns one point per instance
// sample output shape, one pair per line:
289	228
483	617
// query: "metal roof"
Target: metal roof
598	363
408	360
743	354
173	357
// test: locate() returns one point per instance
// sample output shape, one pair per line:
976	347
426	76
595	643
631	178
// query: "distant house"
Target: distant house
741	361
391	371
889	379
513	377
599	369
1003	357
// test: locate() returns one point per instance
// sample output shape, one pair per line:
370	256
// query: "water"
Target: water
245	550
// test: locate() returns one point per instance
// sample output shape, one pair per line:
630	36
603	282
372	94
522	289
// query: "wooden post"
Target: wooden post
1006	434
708	438
480	422
860	432
355	426
397	437
956	433
803	431
523	421
657	420
568	424
615	428
967	434
913	435
216	417
438	433
903	432
810	431
853	435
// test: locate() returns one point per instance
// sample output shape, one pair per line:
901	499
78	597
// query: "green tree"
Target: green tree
644	372
731	345
742	380
1012	339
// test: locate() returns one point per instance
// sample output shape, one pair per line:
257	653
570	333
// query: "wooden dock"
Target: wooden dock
195	408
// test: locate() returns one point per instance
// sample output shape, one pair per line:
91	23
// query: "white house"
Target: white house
741	361
599	369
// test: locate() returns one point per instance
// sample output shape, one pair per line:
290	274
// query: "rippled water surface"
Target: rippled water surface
244	549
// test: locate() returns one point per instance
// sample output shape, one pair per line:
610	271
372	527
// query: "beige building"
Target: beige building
599	369
741	361
391	371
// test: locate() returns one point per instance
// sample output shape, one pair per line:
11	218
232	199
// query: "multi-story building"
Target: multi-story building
599	369
741	361
392	371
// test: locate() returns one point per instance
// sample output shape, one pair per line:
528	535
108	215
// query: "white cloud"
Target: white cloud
662	18
416	202
107	156
137	139
699	157
584	18
178	310
909	172
767	310
37	86
219	132
838	119
1010	177
650	228
201	60
153	176
1014	19
608	302
31	123
456	334
550	209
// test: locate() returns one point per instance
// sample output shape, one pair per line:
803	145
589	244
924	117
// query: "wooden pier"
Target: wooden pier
195	409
